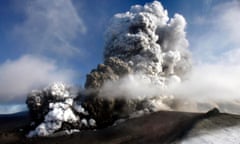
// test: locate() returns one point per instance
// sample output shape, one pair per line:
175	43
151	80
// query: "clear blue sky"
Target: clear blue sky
44	39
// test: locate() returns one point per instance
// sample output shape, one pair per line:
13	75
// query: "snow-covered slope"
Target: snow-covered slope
219	129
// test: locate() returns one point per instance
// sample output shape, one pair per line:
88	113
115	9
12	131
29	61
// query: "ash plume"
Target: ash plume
151	45
145	53
148	41
53	109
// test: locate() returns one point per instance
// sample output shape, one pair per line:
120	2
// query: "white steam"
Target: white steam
211	81
136	87
212	85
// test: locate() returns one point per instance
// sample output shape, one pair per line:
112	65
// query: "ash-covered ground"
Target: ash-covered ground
162	127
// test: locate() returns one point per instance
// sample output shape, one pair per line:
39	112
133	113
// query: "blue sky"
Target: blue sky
43	41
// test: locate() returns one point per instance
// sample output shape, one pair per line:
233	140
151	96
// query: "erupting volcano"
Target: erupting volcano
146	60
145	52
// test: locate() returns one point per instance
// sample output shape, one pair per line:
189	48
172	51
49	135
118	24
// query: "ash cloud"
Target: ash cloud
145	51
153	46
147	68
149	41
53	109
152	49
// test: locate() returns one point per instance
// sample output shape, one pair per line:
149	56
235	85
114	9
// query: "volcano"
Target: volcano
159	127
133	96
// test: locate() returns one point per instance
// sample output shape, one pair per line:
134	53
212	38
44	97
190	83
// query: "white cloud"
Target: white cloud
228	20
218	33
50	27
20	76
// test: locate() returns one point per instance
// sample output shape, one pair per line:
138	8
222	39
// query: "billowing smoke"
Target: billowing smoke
146	53
53	109
150	43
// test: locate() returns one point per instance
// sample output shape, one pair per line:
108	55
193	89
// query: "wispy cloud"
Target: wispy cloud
20	76
218	32
50	27
228	20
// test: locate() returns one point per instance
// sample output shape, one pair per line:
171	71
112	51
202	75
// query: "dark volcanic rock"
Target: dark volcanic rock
159	127
10	122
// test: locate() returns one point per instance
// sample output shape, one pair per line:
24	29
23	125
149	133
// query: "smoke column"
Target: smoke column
145	69
154	47
145	52
53	109
149	42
